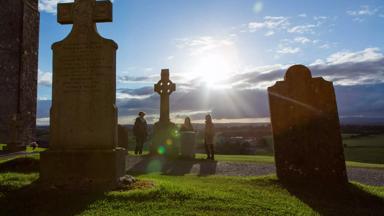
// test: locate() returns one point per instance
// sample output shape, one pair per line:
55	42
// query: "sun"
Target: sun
215	67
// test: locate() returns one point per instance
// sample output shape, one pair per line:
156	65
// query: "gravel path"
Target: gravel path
12	155
205	167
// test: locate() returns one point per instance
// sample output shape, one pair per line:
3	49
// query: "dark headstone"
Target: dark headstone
306	130
83	120
165	132
19	37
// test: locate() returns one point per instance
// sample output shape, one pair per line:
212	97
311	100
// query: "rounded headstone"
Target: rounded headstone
298	73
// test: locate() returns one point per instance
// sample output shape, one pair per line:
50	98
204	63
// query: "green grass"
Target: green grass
241	158
22	194
186	195
365	149
360	151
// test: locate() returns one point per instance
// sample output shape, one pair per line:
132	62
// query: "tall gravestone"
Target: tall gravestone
83	120
19	38
306	130
164	141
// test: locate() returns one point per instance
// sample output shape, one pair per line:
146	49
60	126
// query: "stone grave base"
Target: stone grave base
95	168
165	140
187	144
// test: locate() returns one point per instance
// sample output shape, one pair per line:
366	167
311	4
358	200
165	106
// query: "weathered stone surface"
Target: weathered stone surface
164	139
83	120
19	37
123	137
306	130
187	143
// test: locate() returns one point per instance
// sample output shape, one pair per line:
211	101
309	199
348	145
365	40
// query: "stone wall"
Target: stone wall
19	36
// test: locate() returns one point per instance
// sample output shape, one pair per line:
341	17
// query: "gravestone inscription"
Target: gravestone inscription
306	129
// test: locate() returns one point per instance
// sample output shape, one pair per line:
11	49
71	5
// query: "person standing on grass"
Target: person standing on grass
140	132
209	134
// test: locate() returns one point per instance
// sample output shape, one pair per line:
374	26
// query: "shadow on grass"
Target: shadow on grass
20	165
37	199
344	200
173	166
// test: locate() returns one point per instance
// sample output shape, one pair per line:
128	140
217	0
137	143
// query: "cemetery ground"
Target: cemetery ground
158	193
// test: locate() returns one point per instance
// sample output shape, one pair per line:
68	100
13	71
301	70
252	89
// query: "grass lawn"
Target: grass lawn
366	149
21	194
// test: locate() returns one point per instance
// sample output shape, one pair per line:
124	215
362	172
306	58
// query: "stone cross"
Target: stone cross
164	87
84	12
306	130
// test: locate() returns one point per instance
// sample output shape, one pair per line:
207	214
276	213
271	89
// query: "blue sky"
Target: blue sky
223	54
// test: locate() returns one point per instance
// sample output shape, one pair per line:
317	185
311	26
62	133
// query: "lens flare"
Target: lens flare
175	133
169	142
258	7
161	150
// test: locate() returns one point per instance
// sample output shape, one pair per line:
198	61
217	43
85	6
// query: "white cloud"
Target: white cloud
269	33
301	29
269	22
200	45
50	6
127	96
364	10
288	50
366	55
45	78
303	15
303	40
42	121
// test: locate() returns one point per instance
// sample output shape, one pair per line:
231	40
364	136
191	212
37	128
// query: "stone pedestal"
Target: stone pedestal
165	140
100	168
19	42
187	144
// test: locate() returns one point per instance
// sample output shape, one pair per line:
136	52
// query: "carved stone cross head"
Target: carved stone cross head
84	13
165	86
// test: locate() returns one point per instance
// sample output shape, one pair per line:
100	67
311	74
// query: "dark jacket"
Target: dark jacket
209	134
140	127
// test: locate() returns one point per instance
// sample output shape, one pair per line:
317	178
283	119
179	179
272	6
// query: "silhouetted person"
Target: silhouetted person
34	145
140	132
187	126
209	134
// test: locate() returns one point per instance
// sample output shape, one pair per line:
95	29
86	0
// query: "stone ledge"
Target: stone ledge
102	167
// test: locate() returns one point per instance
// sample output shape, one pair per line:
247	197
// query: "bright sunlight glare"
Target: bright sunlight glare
214	67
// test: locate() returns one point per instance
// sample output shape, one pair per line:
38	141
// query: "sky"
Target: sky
223	54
